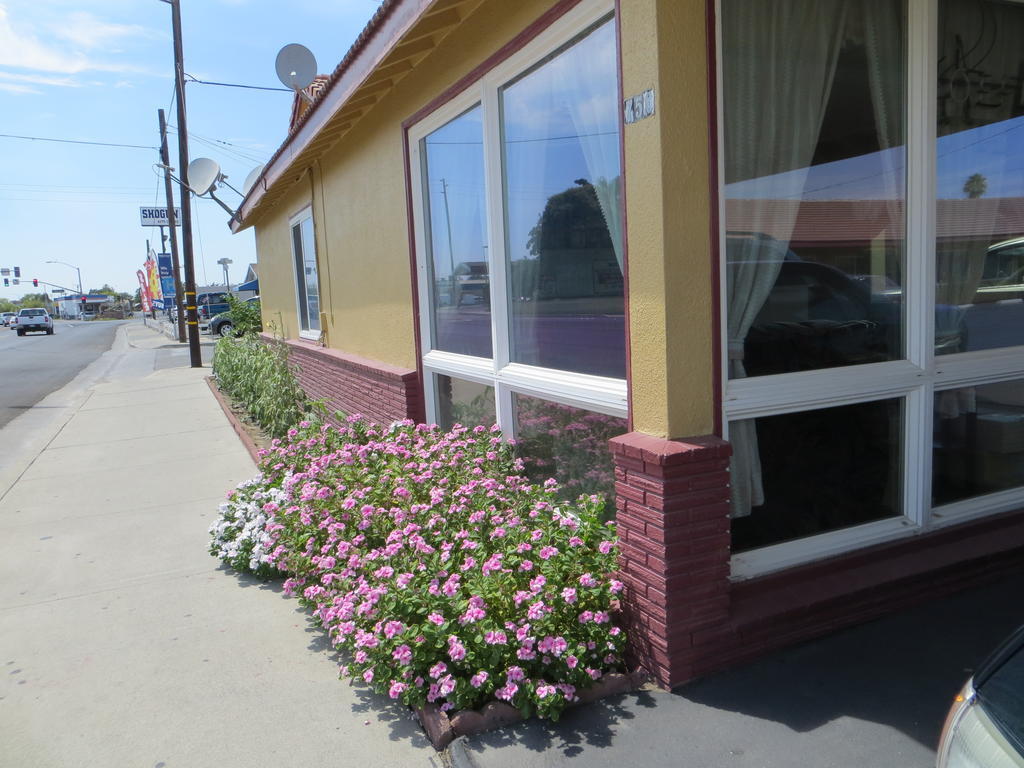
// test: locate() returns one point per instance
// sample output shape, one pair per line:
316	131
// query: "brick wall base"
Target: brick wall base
686	618
355	385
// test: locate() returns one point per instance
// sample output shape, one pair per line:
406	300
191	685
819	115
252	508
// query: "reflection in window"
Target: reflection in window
308	287
815	182
822	470
570	445
979	260
453	158
979	441
563	223
463	402
814	197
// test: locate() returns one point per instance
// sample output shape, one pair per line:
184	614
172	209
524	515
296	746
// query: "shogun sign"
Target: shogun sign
157	216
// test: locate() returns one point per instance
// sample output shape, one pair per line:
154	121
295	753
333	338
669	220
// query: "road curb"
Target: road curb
236	425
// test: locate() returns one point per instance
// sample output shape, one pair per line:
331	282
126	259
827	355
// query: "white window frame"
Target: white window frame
300	279
594	393
916	378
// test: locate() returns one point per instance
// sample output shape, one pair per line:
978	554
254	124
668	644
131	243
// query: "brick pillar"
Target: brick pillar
672	498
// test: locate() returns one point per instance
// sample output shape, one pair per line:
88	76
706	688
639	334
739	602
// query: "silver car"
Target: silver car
985	727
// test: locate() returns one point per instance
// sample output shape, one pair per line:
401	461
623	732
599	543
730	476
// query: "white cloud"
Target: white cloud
66	48
65	82
86	31
15	88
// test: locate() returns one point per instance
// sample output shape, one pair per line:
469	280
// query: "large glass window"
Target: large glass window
520	243
873	243
979	250
563	238
453	172
307	286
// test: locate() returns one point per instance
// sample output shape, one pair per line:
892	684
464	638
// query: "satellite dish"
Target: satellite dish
296	66
251	178
202	174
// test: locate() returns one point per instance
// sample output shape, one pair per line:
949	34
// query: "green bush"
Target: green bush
254	372
245	316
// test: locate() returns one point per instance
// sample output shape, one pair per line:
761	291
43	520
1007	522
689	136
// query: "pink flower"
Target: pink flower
393	628
472	615
601	617
543	691
536	610
569	595
478	679
507	691
587	580
368	675
456	650
403	580
396	689
547	553
523	632
605	547
586	616
571	662
559	646
526	654
526	565
514	673
438	669
615	585
495	638
402	654
435	618
537	583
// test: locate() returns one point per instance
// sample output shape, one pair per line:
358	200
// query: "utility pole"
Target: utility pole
189	297
169	192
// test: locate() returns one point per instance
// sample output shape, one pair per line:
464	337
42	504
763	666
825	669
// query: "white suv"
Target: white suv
33	319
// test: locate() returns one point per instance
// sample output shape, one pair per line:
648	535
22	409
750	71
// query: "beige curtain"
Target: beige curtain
779	59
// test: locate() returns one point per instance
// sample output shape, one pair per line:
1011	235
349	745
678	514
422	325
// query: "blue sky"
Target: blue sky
99	71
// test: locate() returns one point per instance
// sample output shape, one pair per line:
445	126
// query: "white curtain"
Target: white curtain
779	63
592	104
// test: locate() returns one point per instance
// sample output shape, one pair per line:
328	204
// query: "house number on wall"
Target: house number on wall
638	107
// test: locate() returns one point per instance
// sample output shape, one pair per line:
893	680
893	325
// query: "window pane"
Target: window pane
979	260
312	287
569	444
815	182
979	441
463	402
801	474
453	158
563	222
297	249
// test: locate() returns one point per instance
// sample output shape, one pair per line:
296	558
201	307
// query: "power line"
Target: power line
193	79
75	141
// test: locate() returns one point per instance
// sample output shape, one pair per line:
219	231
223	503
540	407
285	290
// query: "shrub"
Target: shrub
238	536
255	373
245	315
446	575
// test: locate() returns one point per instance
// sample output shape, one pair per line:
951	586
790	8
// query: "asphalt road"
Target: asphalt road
34	365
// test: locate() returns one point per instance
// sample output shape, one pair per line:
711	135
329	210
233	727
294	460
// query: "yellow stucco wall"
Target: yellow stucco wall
358	192
360	204
668	206
276	266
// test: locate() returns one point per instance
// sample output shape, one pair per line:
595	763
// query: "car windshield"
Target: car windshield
33	312
1002	696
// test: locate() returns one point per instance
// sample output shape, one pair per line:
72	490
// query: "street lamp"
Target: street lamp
74	268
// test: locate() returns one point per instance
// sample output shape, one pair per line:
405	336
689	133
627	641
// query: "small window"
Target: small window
306	284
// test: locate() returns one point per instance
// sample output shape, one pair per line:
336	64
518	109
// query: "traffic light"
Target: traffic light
35	283
17	271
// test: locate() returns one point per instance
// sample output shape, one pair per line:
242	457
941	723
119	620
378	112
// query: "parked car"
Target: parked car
209	305
985	726
222	325
33	319
6	318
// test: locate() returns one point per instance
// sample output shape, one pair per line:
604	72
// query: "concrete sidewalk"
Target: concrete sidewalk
121	641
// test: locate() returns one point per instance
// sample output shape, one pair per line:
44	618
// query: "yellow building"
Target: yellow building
751	268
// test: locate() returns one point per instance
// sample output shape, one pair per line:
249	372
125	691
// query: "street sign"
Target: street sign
157	216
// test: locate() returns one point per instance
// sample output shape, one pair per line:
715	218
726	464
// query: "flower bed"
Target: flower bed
447	577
